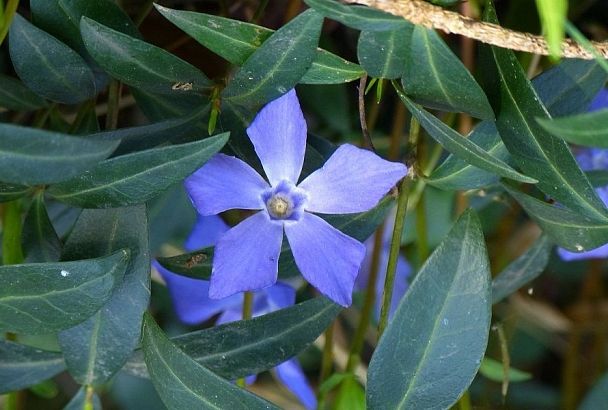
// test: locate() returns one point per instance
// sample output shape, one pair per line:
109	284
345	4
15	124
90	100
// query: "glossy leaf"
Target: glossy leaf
159	107
596	398
9	192
433	346
198	264
78	402
566	228
565	89
452	141
357	17
278	65
47	157
97	348
140	64
590	129
23	366
522	270
494	370
243	348
182	383
47	66
383	54
40	242
16	96
236	41
135	178
46	297
435	77
539	154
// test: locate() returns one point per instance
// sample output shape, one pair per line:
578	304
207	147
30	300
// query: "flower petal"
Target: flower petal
290	373
278	134
352	180
273	298
206	232
597	253
223	183
246	257
328	259
190	297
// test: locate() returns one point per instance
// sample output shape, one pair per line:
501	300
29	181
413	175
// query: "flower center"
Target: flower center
279	206
284	201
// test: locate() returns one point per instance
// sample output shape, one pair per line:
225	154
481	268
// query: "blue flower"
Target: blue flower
600	101
246	257
193	306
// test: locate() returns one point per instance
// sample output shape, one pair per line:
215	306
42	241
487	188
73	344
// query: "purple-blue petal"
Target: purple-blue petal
600	101
597	253
246	257
290	373
206	232
190	297
223	183
328	259
278	134
352	180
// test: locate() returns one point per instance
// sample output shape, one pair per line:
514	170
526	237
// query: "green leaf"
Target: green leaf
17	97
140	64
247	347
135	178
566	228
182	383
383	53
565	89
539	154
22	366
99	347
433	346
360	226
458	145
78	402
39	240
46	297
589	129
160	107
278	64
553	15
522	270
351	395
10	192
358	17
47	66
494	370
434	77
236	41
32	156
596	398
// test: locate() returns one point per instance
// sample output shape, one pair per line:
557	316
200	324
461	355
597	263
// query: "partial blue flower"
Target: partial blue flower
246	257
193	306
600	101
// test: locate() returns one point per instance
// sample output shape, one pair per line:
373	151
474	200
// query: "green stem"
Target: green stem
247	313
80	115
113	105
88	398
11	233
327	360
2	11
422	241
43	115
9	13
465	402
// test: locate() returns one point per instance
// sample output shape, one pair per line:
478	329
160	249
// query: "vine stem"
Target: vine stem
8	14
113	104
428	15
247	314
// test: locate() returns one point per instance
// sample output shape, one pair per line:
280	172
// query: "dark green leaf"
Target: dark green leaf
596	398
140	64
383	54
135	178
434	77
494	371
236	41
198	264
522	270
598	177
567	228
15	96
160	107
47	66
97	348
278	65
565	89
458	145
23	366
9	192
182	383
32	156
40	242
247	347
79	400
433	346
539	154
46	297
590	129
357	17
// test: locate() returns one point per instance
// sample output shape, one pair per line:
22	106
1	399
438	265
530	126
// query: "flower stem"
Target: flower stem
247	313
327	360
113	104
5	22
11	237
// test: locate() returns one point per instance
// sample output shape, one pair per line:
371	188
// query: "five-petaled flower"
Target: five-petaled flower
246	258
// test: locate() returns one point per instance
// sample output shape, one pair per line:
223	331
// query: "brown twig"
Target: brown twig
425	14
